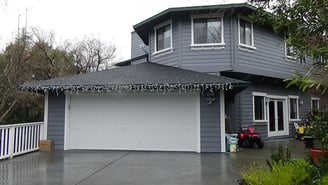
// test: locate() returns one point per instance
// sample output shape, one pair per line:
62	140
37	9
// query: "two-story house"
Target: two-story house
191	68
221	40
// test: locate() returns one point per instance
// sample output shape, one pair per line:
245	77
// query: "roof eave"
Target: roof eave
140	26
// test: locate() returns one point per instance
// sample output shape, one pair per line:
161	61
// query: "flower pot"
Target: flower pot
317	153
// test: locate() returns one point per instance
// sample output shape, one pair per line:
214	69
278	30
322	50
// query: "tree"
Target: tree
32	56
91	54
305	25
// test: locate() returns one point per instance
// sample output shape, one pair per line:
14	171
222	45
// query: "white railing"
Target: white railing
19	138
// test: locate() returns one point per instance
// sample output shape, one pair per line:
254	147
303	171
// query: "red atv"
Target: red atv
247	138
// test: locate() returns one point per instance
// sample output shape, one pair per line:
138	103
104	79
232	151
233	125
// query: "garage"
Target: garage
133	121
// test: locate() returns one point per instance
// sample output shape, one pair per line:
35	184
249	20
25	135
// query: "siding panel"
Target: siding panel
269	57
136	45
210	129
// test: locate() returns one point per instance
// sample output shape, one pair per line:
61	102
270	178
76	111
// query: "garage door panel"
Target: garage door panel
134	122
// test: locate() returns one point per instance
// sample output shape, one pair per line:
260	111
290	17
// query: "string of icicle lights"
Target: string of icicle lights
137	88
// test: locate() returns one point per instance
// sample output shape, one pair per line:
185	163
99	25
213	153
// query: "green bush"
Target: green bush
319	172
324	180
292	172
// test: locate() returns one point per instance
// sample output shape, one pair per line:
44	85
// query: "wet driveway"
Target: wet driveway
136	168
114	167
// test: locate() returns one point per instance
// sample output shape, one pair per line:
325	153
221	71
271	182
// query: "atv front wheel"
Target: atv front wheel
260	144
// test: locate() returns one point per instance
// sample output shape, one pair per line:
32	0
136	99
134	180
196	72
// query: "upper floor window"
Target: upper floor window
245	29
163	36
290	52
293	107
207	30
315	103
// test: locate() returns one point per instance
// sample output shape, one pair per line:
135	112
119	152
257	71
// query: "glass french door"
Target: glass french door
277	117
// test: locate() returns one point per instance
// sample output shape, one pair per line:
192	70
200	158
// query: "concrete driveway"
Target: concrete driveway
118	167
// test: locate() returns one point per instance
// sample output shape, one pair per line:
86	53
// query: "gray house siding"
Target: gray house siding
269	57
267	60
210	129
56	120
244	107
138	48
184	56
170	58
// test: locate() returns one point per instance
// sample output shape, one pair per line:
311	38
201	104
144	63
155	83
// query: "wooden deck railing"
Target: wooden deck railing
19	138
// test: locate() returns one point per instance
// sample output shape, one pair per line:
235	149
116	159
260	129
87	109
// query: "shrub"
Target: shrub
319	172
324	180
292	172
319	127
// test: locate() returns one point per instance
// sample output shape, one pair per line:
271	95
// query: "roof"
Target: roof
142	27
145	76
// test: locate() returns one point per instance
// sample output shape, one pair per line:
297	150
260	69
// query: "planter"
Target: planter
317	153
308	141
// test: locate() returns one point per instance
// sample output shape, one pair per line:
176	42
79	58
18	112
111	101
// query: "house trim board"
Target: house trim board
198	145
67	122
46	109
222	120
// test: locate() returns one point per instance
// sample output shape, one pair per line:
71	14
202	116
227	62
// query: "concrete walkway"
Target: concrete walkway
137	168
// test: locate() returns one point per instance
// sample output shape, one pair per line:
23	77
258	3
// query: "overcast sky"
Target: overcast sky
110	20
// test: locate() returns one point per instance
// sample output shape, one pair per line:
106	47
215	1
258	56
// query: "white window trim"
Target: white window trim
207	45
168	22
297	108
289	58
241	45
264	95
315	98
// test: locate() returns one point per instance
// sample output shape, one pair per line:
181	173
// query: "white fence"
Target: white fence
19	138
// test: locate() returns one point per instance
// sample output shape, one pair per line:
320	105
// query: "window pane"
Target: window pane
293	109
214	31
200	31
242	32
315	104
207	31
163	37
167	37
290	51
245	31
248	34
259	107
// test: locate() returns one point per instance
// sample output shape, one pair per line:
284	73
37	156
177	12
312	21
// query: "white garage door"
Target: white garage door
164	122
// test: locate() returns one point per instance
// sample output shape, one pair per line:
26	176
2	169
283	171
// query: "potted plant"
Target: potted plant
308	138
319	130
307	134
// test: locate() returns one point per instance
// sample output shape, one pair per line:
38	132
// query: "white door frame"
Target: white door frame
284	99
